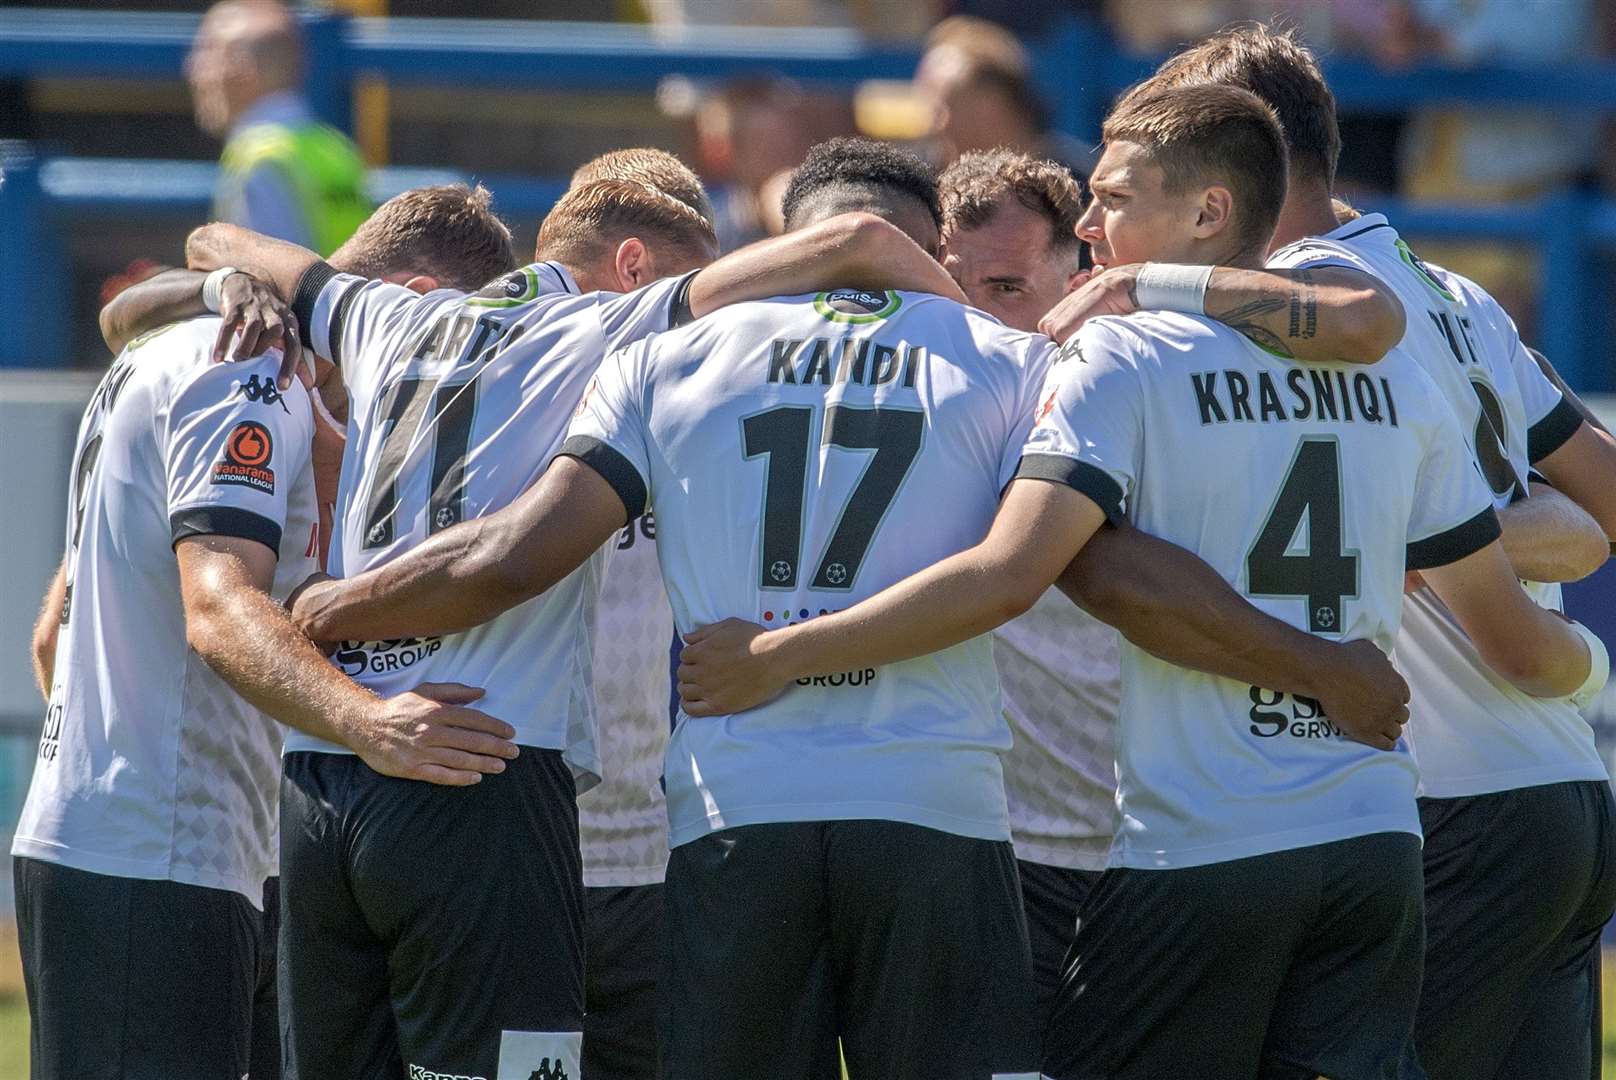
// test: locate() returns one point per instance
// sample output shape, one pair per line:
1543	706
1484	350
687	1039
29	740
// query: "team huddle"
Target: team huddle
886	647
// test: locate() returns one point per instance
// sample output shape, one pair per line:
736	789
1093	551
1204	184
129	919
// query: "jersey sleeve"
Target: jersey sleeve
343	317
233	448
1312	253
1452	515
661	305
1034	368
608	430
1088	429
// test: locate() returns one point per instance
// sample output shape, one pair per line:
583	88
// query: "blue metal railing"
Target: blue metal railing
1077	68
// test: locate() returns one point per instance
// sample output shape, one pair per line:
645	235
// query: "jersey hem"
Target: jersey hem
900	813
1063	860
91	862
1492	783
1267	844
624	879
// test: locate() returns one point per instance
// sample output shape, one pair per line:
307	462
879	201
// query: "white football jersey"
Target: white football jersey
623	822
1060	671
801	454
1471	731
150	766
457	404
1306	487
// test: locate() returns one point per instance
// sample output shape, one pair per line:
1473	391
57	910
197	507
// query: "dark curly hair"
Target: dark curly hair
850	162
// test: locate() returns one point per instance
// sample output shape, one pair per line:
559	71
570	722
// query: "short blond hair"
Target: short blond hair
448	232
591	220
656	169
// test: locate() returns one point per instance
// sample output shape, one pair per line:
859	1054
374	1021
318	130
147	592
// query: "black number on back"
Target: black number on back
783	434
403	408
1492	448
1323	573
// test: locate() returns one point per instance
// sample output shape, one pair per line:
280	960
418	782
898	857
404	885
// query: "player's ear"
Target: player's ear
633	265
421	283
1215	212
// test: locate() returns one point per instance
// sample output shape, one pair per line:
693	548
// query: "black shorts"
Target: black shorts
1518	885
131	979
1289	965
430	931
1052	896
624	961
908	943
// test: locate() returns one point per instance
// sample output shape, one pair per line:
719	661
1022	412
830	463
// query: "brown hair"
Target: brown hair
447	232
654	168
1211	134
1282	71
593	219
977	185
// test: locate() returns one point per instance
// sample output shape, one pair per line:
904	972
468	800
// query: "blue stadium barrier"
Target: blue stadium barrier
1078	69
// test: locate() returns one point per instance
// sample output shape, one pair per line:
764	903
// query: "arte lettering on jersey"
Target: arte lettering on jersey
247	452
1224	397
832	361
357	658
50	739
262	392
645	526
1274	713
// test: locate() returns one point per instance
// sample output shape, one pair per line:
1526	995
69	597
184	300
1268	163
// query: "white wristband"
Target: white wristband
1172	287
1599	673
212	285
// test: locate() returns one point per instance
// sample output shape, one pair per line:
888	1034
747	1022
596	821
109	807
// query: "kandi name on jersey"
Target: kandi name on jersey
1234	397
828	361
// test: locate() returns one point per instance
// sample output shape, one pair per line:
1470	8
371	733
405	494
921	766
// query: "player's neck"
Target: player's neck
1307	212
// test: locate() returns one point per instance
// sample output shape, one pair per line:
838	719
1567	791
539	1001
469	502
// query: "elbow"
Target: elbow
1380	329
204	631
1535	665
199	249
1586	555
1015	595
111	331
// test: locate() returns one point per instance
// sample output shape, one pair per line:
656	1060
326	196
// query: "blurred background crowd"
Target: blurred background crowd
981	80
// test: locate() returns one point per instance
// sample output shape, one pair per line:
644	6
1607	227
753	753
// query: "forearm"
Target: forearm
46	630
1550	538
161	299
272	261
950	602
1174	606
247	638
1321	314
456	580
857	251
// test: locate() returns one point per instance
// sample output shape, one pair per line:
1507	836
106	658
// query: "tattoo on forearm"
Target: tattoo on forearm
1304	306
1247	318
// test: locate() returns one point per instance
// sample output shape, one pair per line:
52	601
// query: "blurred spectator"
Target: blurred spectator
283	173
975	81
750	135
1491	154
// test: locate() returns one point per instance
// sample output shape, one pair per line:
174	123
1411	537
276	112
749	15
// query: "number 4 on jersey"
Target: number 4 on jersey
1322	573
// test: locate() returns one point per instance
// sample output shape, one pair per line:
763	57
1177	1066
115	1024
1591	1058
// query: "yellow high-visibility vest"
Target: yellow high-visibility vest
321	164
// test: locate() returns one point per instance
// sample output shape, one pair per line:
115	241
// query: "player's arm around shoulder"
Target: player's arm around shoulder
232	459
1316	314
1454	543
848	251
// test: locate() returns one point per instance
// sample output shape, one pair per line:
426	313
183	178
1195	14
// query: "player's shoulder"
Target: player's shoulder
525	284
1357	244
1142	338
187	378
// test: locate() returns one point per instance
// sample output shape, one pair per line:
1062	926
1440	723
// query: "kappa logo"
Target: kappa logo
418	1073
246	458
546	1071
262	392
